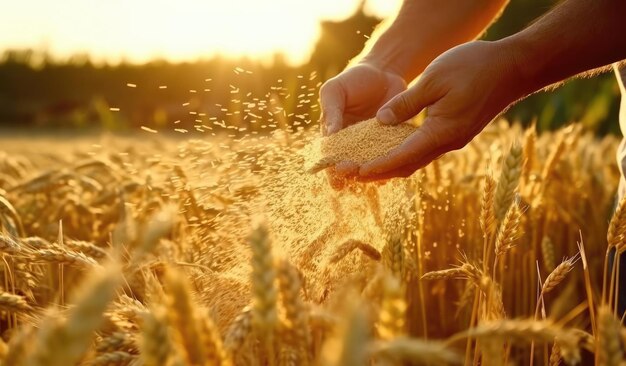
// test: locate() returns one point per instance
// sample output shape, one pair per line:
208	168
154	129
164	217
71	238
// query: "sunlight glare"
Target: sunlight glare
140	30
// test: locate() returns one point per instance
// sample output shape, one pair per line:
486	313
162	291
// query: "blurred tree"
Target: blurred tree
37	90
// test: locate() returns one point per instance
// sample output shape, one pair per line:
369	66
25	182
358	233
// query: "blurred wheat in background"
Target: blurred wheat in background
226	252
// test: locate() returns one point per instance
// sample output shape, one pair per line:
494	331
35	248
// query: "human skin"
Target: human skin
421	31
464	88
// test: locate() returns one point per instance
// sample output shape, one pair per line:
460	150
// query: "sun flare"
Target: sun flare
183	30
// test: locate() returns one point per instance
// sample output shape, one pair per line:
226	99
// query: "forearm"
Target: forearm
424	29
575	37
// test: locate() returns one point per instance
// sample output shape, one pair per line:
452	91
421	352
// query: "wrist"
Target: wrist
520	66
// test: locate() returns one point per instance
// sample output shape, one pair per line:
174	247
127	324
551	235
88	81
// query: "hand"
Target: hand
463	90
355	95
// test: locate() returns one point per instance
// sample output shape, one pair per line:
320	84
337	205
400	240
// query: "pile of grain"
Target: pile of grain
361	142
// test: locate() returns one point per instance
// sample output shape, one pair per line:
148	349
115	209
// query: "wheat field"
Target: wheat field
222	251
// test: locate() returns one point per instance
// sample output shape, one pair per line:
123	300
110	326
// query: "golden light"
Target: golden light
140	30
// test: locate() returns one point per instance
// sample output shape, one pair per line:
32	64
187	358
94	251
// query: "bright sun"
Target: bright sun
140	30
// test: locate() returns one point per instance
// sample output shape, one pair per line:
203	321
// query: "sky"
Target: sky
176	30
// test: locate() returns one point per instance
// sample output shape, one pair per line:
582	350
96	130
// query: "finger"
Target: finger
347	169
402	172
332	102
422	144
407	104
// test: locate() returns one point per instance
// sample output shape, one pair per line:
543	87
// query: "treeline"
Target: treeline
36	90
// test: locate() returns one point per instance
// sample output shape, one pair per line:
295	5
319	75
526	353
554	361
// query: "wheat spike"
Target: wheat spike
9	246
213	345
509	231
530	139
62	342
117	341
19	346
487	214
264	313
554	157
558	274
296	314
415	351
14	303
527	330
547	252
239	330
445	273
393	256
608	342
617	226
155	344
508	182
112	358
392	315
184	316
555	354
348	345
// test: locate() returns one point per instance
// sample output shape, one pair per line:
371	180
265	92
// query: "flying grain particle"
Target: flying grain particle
193	91
162	86
147	129
114	109
208	79
131	85
185	104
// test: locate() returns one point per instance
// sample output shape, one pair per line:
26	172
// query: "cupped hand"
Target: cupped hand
356	94
463	90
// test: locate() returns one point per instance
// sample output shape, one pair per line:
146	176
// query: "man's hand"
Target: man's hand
463	90
355	95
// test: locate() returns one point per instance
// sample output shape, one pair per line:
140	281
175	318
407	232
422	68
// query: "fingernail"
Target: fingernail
364	170
332	128
386	116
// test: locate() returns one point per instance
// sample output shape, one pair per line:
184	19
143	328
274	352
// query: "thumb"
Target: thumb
407	104
332	103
